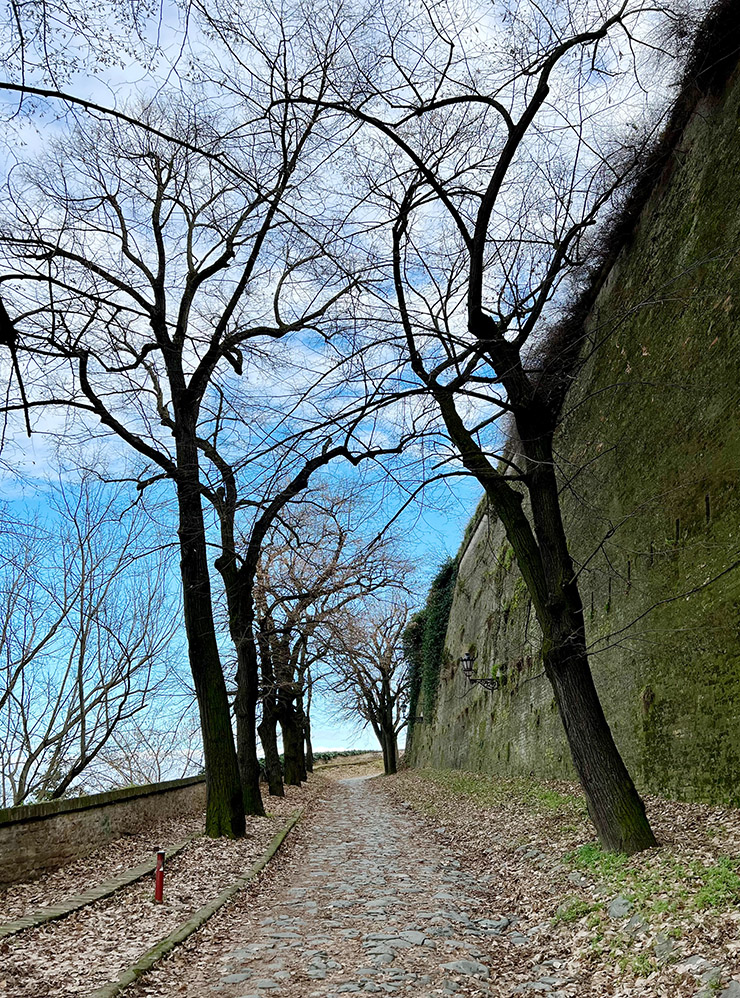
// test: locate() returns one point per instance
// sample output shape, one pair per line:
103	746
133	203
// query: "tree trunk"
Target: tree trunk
615	807
384	747
304	726
392	753
270	712
268	736
241	621
224	802
309	744
293	752
542	555
245	708
306	681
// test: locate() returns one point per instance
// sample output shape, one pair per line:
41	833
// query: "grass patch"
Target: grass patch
721	886
492	791
666	884
572	910
640	964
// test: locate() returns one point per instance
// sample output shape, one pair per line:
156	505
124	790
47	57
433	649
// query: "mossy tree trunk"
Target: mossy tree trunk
541	551
224	807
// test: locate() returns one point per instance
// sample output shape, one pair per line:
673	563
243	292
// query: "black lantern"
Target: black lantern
467	665
466	662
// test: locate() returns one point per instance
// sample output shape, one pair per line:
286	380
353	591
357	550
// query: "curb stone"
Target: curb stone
65	907
181	933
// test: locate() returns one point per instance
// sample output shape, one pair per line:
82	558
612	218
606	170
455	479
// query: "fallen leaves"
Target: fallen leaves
538	840
94	945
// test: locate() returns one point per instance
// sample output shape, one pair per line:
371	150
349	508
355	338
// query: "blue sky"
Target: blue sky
432	532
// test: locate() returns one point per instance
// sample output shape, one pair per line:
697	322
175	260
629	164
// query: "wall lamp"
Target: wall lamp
466	662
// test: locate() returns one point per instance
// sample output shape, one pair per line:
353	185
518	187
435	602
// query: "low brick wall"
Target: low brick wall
35	838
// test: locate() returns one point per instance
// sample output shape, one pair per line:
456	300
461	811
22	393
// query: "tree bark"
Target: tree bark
615	807
268	726
245	709
306	681
293	751
224	802
305	727
309	744
239	597
268	736
392	752
384	748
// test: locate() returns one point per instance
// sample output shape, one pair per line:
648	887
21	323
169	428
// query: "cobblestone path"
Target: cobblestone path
372	908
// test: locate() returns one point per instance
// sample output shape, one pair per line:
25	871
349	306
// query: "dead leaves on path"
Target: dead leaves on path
535	838
94	945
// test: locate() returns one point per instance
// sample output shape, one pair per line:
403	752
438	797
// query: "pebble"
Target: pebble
619	907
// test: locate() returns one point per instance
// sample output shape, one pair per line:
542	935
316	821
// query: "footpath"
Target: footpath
365	905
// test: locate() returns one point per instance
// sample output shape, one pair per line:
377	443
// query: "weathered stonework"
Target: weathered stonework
649	455
35	838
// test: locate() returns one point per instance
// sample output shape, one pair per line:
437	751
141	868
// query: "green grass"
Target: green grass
572	910
721	887
492	791
641	964
667	884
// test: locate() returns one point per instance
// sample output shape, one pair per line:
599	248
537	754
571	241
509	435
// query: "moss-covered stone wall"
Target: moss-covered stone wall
649	455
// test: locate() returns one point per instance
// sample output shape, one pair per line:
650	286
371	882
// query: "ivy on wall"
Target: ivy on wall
424	642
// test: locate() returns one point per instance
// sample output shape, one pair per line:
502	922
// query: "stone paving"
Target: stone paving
371	908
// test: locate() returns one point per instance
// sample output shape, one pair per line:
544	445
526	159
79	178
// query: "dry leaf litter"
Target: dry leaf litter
437	883
94	945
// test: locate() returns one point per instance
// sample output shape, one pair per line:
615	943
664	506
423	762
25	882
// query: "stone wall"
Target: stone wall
35	838
649	455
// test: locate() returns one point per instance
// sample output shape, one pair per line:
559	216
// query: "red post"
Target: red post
159	876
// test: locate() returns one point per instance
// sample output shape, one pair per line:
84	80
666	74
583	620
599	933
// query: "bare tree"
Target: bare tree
86	626
148	273
369	674
316	562
486	156
157	745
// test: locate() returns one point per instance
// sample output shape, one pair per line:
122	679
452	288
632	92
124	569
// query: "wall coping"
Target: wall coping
50	808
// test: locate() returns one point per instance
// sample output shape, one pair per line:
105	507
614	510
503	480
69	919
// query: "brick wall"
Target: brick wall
35	838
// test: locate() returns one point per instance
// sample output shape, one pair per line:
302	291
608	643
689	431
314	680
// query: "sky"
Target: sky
433	530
